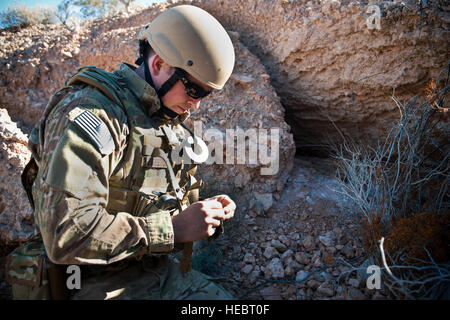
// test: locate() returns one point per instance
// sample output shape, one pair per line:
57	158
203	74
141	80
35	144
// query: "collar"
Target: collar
146	95
144	92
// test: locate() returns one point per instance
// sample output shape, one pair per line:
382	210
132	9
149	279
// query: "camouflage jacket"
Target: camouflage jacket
94	190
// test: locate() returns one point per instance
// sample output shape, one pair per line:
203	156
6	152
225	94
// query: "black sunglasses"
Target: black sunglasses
192	89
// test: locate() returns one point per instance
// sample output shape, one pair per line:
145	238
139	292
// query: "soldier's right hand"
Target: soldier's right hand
198	221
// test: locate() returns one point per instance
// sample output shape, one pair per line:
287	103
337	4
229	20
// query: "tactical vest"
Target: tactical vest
146	171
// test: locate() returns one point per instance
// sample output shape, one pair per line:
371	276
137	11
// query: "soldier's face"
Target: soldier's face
176	98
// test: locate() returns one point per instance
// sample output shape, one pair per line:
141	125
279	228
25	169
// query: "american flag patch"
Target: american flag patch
96	130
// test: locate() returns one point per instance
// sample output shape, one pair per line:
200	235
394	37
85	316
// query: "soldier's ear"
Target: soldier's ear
156	64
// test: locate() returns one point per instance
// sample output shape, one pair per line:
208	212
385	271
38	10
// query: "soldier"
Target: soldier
106	193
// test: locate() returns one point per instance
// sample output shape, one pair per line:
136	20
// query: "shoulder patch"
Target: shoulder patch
96	130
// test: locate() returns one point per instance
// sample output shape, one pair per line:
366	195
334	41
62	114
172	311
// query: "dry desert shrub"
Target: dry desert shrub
401	191
20	16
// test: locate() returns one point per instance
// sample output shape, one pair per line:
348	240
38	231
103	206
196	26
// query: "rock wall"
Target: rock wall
326	64
250	104
16	217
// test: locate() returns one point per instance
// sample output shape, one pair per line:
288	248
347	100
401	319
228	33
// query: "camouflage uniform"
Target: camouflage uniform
100	154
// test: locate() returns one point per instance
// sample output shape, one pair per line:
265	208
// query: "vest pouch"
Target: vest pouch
26	271
144	204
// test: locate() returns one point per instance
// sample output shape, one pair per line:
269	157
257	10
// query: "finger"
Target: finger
228	214
230	207
211	230
228	204
213	222
213	204
222	198
216	214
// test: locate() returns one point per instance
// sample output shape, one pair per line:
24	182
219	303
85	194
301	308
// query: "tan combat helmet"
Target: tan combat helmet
191	39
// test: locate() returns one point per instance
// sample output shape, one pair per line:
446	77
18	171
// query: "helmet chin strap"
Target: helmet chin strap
166	86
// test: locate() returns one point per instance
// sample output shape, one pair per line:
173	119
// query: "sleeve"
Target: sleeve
71	193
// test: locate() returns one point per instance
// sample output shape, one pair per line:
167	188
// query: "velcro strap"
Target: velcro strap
176	187
166	86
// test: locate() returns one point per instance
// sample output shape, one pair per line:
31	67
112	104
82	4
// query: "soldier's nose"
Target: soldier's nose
195	104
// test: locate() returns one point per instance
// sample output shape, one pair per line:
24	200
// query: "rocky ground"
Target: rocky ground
308	247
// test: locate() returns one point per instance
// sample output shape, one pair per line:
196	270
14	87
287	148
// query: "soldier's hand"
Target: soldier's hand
199	220
228	205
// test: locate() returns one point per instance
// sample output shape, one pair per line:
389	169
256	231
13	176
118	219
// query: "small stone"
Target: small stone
286	255
354	282
274	269
325	290
313	284
247	269
270	252
332	250
326	241
278	245
294	264
301	275
337	232
249	258
241	78
253	213
302	257
284	240
253	277
264	200
348	251
308	243
309	200
67	54
316	261
328	259
289	270
240	265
